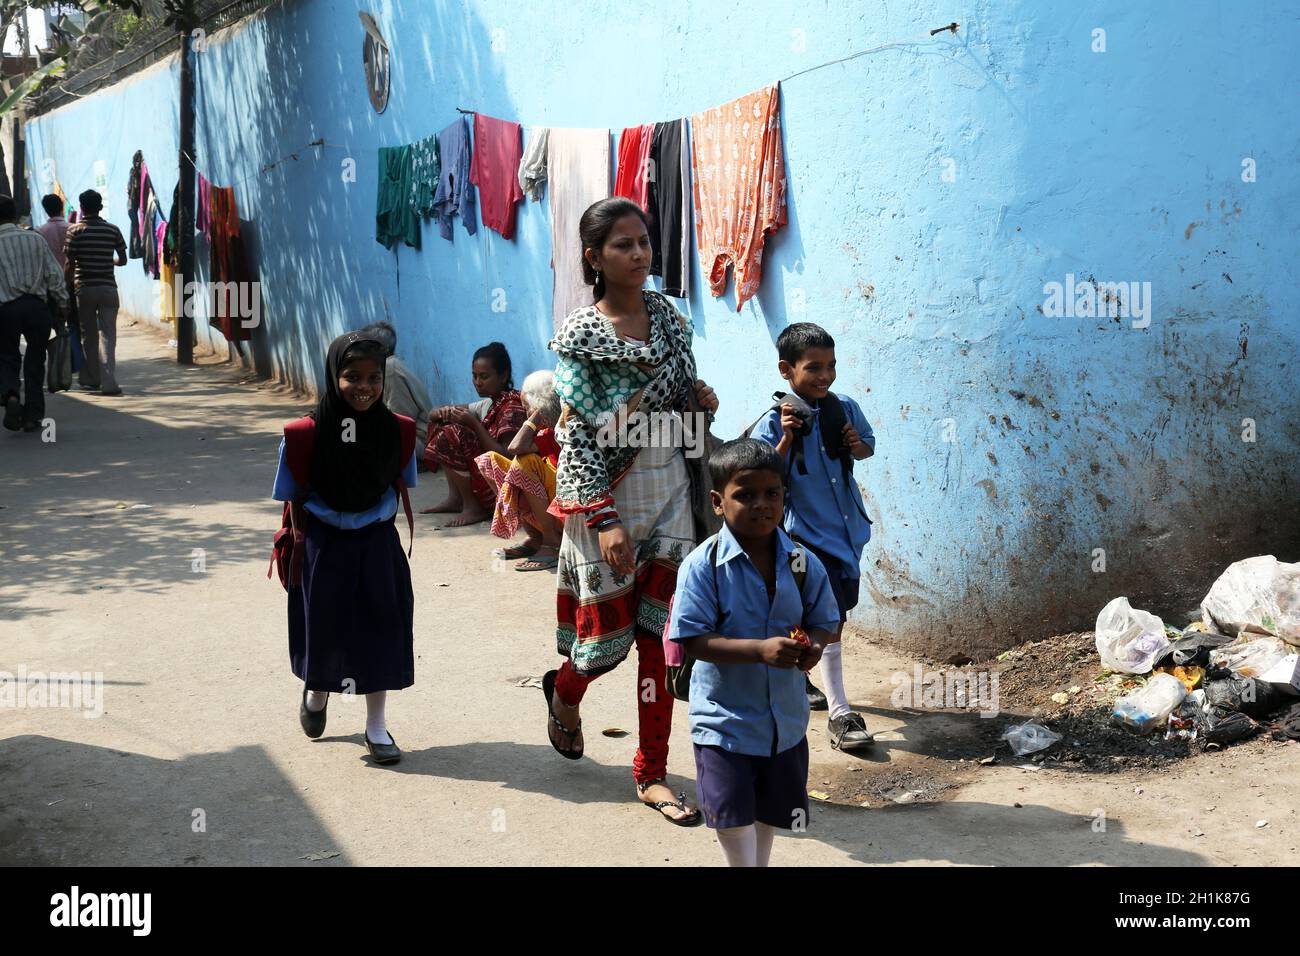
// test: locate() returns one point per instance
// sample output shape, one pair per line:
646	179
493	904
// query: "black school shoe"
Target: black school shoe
13	413
849	732
384	753
313	721
816	699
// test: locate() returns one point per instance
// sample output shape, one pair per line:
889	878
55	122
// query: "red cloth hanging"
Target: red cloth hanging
633	162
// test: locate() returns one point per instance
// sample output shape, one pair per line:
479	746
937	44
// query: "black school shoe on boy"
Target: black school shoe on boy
816	699
849	732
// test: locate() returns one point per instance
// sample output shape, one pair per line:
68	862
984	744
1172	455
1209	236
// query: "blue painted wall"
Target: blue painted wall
935	187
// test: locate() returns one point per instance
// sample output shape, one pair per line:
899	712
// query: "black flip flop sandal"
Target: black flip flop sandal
548	688
692	817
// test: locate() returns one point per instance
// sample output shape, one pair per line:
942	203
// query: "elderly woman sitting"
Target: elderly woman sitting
524	479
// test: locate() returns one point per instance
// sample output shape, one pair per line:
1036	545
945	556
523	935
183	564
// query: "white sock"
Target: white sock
833	678
763	847
376	729
316	700
739	845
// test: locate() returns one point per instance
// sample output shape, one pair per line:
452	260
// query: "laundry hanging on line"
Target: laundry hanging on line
494	169
738	172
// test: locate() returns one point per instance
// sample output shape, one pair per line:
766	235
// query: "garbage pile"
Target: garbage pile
1214	681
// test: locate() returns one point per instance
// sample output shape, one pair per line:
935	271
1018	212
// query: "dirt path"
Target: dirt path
200	722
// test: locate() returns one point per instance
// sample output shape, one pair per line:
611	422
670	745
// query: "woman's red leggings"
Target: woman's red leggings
654	704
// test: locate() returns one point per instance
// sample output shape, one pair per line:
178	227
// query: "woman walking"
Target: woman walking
626	509
350	617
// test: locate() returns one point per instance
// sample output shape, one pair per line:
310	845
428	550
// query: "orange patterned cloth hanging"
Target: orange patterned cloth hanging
739	184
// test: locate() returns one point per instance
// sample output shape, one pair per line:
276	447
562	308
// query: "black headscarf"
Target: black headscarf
353	475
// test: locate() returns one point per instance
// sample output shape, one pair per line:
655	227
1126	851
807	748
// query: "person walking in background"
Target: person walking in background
55	228
55	232
29	279
92	248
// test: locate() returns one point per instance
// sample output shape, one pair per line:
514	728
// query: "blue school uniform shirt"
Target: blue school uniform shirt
286	489
821	508
748	708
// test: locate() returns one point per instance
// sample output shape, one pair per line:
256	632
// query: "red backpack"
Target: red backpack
299	440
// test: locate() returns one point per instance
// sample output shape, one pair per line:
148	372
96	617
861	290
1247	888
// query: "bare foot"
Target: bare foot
466	517
659	793
443	507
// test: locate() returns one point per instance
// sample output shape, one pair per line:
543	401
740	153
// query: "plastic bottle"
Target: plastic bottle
1149	707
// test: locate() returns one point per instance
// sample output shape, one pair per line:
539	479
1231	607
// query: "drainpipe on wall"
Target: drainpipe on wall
185	246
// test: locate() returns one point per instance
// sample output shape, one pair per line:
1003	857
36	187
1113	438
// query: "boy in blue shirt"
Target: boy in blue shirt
740	596
824	509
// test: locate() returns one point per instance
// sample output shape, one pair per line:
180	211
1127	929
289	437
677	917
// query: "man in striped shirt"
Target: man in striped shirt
92	248
29	278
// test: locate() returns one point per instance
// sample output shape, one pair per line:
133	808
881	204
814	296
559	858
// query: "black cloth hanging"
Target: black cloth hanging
135	247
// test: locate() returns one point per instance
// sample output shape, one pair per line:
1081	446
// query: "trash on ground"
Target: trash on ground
614	732
1129	640
1259	595
1029	737
1149	706
1243	694
1250	655
1193	648
1183	719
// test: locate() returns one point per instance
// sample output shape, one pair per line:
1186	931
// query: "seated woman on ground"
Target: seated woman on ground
460	433
526	485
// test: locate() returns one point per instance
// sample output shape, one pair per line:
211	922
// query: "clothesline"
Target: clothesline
929	34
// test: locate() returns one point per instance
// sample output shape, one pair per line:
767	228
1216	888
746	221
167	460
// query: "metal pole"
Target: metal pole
185	243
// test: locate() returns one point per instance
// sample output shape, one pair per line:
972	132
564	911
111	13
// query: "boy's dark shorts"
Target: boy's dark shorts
736	790
844	588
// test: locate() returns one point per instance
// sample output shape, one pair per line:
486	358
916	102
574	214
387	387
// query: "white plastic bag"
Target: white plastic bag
1258	595
1029	738
1250	655
1129	640
1149	707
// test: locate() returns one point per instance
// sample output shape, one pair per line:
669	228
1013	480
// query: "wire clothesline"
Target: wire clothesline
929	34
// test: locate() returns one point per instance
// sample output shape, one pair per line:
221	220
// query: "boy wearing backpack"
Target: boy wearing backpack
753	611
823	506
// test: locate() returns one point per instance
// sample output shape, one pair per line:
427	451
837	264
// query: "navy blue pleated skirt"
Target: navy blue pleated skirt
350	622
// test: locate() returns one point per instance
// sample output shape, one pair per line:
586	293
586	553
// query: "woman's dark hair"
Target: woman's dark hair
496	353
594	228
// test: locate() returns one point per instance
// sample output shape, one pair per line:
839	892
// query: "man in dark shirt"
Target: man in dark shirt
92	248
29	278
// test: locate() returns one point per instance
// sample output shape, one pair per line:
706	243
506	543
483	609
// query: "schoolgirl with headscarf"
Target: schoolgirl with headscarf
350	617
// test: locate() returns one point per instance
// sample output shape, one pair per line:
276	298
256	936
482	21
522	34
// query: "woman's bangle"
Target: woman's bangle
529	424
607	523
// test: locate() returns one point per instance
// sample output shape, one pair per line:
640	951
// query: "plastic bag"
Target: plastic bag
1192	648
1253	697
58	362
1259	595
1129	640
1219	725
1249	655
1149	707
1029	738
1186	717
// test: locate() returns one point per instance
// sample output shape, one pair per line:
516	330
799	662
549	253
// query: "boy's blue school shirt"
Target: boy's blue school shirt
821	508
748	708
286	489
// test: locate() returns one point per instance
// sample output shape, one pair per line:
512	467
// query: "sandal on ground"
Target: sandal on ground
548	688
542	562
516	552
692	815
